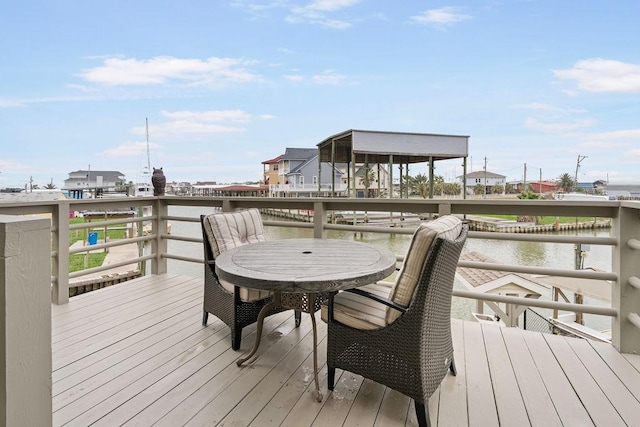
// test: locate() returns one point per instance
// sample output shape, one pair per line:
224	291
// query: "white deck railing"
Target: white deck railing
34	250
625	240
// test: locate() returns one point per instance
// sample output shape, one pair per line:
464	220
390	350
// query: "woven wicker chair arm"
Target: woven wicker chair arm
378	298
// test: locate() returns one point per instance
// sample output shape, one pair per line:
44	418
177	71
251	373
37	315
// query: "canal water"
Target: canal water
550	255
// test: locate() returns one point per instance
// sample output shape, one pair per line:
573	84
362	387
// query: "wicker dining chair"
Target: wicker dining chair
399	334
236	306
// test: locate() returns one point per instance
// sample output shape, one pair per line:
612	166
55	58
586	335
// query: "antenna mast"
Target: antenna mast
148	155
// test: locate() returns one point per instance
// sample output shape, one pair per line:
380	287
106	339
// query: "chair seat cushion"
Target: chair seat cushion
360	312
246	294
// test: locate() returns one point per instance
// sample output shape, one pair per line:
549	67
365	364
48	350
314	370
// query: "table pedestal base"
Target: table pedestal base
305	302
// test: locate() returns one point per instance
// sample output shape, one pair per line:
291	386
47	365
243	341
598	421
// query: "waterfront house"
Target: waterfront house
485	178
298	172
83	183
270	171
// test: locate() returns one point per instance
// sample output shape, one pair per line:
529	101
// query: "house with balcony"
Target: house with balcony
484	178
93	183
270	171
299	174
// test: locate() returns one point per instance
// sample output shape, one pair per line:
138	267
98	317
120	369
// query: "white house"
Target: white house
485	178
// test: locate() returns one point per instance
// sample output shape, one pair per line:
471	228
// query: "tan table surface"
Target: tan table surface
305	265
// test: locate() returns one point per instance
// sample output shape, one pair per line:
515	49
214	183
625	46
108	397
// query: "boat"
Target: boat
144	188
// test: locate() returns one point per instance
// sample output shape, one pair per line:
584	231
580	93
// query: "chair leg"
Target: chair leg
452	367
298	317
236	337
422	413
205	317
331	377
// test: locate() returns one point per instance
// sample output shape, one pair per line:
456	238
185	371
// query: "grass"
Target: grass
77	235
77	261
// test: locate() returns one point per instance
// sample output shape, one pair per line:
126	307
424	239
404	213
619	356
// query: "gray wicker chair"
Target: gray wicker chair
237	307
412	351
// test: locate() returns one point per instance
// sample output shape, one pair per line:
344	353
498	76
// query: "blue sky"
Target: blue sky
228	84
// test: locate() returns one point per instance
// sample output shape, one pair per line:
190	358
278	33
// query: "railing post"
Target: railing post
60	242
319	220
25	313
159	245
444	209
625	297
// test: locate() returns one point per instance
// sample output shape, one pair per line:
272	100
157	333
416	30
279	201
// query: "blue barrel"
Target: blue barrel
93	238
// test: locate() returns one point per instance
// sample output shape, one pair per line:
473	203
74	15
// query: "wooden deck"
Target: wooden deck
137	354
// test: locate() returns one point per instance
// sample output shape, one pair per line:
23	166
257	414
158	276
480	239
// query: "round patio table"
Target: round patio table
299	272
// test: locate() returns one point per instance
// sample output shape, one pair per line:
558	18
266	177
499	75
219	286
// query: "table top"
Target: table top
305	265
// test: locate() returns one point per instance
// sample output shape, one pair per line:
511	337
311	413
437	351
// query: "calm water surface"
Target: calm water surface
551	255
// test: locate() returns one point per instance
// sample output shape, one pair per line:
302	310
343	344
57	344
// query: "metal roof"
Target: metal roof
395	147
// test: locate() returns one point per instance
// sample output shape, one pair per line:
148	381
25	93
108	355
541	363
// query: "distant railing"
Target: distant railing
308	188
154	212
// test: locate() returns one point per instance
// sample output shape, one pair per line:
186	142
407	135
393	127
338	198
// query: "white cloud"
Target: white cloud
535	124
131	150
10	103
331	5
13	166
329	77
440	16
165	69
603	75
187	124
182	128
317	13
209	116
294	77
614	140
537	106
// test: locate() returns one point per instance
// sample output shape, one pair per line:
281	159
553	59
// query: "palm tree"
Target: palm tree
50	186
419	184
367	179
565	182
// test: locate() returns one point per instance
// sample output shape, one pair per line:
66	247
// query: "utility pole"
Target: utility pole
540	183
580	159
577	298
524	184
485	178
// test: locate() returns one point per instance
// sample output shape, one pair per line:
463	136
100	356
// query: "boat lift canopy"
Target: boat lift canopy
392	148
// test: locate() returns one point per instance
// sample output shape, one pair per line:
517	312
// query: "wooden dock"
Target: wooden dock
137	354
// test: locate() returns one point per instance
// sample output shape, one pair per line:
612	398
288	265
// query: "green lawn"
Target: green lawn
76	261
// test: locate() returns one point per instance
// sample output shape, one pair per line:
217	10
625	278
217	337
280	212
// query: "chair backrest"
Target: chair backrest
445	227
228	230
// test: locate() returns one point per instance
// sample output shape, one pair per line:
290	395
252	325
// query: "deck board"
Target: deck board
136	354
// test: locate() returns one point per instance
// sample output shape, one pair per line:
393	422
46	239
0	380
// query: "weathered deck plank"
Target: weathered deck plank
137	354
